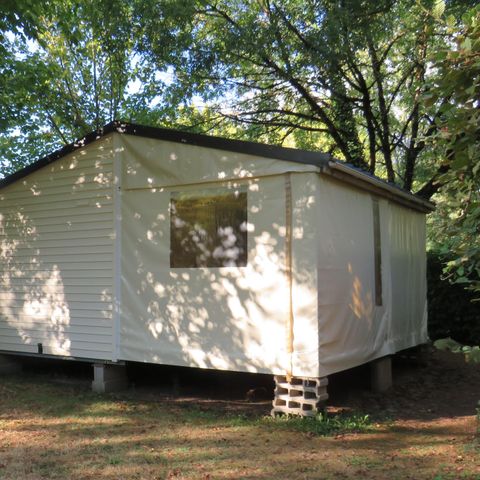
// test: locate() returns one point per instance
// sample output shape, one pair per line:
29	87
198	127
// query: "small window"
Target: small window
377	241
208	229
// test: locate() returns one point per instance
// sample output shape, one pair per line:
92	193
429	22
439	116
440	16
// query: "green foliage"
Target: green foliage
447	345
472	354
451	312
324	424
343	77
67	69
350	76
456	140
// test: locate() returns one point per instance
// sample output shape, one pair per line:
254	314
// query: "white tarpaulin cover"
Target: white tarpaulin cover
353	329
146	250
313	294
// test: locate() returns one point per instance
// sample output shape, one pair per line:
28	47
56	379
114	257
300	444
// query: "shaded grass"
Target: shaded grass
43	398
321	425
50	431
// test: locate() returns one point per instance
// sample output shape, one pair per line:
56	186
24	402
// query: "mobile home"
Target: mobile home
153	245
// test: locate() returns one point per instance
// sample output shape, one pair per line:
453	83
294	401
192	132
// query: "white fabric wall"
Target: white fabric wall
61	285
352	328
222	318
305	239
149	163
225	318
238	318
409	283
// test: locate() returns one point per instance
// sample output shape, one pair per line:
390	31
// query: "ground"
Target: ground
424	428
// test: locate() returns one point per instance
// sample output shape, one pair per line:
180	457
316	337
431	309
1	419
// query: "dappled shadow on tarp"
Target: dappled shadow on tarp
226	318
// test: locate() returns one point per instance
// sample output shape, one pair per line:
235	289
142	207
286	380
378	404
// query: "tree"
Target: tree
456	88
68	68
349	74
346	76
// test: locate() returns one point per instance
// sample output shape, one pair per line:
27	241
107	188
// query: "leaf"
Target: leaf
438	8
451	21
461	160
467	44
446	344
473	355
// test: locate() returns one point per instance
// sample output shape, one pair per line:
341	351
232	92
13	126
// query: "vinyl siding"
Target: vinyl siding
56	257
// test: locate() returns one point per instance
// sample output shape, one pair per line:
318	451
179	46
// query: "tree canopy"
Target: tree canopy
347	77
68	69
456	141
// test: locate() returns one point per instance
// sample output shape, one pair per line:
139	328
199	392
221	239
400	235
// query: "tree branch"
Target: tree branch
434	184
384	120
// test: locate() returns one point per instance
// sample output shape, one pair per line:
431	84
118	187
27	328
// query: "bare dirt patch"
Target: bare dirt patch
425	428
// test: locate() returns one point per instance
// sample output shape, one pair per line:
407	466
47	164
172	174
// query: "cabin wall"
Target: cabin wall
304	302
305	237
358	320
407	230
350	327
56	259
228	318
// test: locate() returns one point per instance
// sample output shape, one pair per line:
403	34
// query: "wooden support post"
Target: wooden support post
9	364
381	374
109	378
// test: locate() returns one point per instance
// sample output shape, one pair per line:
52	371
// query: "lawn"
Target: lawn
51	429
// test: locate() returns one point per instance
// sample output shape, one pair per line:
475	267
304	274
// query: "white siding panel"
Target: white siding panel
62	215
81	221
39	335
83	316
56	257
54	250
61	234
84	272
88	282
55	190
98	260
53	202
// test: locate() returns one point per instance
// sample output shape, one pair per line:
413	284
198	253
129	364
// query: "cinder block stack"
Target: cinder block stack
299	396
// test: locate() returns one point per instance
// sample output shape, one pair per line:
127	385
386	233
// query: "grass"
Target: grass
50	431
323	424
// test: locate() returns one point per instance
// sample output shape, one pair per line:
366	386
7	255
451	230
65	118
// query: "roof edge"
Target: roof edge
325	161
352	175
57	154
318	159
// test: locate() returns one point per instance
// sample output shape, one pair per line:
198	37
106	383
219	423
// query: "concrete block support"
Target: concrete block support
109	378
299	396
9	364
381	374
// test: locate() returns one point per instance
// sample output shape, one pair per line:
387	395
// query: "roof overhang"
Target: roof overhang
360	179
327	164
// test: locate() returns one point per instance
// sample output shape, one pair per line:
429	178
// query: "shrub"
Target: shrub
451	310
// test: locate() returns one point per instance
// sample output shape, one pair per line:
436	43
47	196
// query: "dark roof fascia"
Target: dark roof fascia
238	146
351	174
57	154
322	160
398	192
